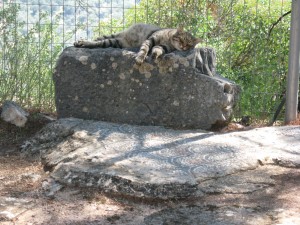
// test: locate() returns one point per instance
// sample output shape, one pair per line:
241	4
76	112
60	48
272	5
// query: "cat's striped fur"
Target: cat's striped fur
149	38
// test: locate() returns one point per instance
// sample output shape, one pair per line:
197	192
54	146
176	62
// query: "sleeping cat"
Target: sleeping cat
149	38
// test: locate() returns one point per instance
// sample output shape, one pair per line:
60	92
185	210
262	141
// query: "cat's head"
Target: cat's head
183	40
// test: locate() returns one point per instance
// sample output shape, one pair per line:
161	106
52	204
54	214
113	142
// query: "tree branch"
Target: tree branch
279	19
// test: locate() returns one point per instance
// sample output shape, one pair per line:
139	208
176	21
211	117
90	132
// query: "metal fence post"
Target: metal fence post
293	71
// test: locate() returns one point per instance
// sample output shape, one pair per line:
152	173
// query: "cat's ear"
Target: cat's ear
180	29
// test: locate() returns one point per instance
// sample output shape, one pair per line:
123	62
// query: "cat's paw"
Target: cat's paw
157	53
139	60
156	58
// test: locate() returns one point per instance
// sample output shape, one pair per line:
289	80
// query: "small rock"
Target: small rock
14	114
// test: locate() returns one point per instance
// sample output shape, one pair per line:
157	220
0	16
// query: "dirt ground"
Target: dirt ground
24	198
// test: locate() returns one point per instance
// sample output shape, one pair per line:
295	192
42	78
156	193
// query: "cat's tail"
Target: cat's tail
104	43
104	37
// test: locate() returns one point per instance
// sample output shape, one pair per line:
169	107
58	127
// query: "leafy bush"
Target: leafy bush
253	57
28	57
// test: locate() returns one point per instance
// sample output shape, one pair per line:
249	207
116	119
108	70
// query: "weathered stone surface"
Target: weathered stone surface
147	161
180	91
212	215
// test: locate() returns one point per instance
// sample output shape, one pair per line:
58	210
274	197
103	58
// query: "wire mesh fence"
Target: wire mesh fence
251	39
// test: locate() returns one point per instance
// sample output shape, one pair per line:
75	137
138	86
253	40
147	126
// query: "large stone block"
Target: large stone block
182	90
155	162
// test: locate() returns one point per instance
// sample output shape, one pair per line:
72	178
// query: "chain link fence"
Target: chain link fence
251	38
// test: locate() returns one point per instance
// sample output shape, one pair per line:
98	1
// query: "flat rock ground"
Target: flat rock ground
25	198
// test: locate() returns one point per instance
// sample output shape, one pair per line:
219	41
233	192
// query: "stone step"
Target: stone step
154	162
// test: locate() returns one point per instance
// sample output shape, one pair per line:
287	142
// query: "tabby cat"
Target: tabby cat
149	38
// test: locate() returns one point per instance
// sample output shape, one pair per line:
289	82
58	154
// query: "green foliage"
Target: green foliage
28	58
253	58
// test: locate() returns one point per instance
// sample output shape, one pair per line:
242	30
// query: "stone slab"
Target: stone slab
182	90
212	215
154	162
